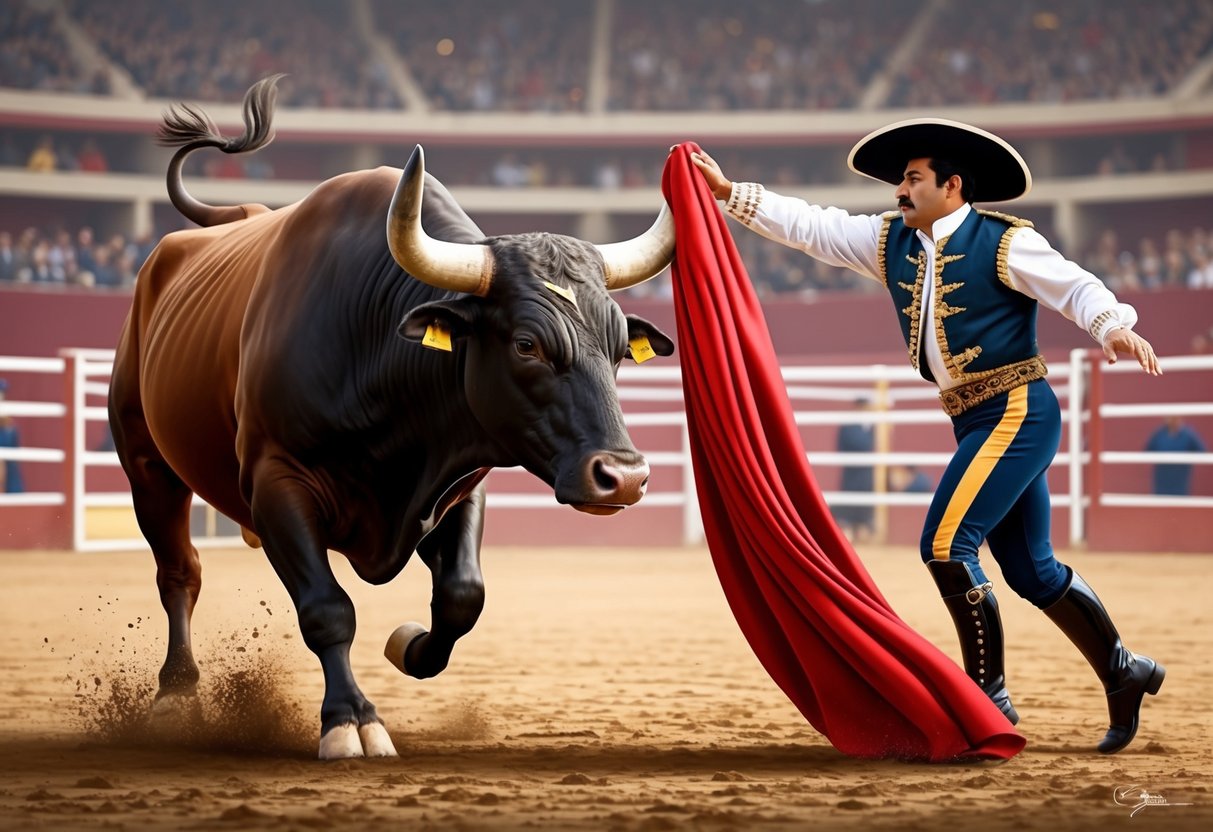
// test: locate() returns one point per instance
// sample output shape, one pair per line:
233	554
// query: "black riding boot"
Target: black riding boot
975	613
1126	676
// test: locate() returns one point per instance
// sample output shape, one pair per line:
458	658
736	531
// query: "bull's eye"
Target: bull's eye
526	346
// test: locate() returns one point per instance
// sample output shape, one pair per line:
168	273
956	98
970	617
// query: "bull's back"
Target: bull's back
179	355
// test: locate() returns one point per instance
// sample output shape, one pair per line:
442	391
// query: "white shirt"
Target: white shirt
832	235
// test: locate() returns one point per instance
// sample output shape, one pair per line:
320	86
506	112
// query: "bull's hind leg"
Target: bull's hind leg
452	552
162	504
286	517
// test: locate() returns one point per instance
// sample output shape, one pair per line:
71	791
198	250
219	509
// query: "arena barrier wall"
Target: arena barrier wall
77	496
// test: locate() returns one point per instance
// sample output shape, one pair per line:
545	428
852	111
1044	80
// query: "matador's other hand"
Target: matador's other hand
720	186
1125	341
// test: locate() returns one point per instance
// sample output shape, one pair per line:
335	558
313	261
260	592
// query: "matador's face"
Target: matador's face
920	200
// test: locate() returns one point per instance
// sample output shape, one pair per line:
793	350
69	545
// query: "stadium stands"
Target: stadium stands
605	72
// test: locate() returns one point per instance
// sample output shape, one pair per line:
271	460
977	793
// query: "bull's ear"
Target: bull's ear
641	330
438	323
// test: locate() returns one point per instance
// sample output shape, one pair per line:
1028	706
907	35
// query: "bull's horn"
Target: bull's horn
636	260
460	267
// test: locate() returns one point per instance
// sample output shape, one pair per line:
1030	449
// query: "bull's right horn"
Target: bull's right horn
460	267
636	260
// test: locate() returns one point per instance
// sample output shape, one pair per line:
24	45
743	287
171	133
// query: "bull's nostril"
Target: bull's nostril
605	477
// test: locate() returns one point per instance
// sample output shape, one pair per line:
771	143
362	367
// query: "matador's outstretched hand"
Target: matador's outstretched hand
1127	342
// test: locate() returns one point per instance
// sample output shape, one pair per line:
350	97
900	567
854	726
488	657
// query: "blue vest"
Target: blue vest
981	323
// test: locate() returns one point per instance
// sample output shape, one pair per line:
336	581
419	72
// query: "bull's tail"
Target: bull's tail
189	128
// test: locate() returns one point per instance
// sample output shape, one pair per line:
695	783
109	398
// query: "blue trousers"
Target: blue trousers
994	489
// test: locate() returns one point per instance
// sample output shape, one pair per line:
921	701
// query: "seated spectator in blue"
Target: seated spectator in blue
1174	478
910	479
10	472
857	522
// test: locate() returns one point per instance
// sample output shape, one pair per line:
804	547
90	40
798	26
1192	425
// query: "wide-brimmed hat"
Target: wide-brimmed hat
999	172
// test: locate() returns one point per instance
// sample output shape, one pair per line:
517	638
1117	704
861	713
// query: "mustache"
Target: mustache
904	202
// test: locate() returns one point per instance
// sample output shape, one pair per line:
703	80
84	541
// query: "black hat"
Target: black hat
1000	173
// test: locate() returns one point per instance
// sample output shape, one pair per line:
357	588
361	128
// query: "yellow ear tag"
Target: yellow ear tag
437	337
642	350
567	294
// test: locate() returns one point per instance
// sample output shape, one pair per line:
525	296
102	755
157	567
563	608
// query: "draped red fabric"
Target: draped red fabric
807	606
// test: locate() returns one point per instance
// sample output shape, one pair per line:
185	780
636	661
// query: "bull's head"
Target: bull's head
541	341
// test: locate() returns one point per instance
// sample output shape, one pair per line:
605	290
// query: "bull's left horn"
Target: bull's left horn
636	260
460	267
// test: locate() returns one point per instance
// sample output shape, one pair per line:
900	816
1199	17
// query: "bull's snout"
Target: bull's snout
612	483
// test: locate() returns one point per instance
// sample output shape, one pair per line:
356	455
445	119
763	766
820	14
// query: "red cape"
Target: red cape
807	606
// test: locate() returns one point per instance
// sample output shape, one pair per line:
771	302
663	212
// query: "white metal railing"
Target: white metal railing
659	389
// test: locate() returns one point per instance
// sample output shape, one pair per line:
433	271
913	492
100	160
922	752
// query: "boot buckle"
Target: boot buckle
978	593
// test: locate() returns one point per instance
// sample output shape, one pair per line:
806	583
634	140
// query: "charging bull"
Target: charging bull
274	364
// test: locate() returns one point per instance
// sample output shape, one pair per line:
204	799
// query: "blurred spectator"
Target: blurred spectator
1174	478
84	250
39	269
509	172
857	522
43	158
8	258
10	472
61	256
910	479
1201	274
90	159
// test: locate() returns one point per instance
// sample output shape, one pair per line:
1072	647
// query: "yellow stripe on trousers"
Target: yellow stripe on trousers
979	469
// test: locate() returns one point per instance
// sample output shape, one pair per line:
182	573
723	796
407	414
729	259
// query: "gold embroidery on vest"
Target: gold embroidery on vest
942	310
1004	244
954	364
881	243
914	310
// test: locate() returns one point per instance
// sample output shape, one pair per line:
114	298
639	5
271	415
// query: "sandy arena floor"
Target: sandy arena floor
601	690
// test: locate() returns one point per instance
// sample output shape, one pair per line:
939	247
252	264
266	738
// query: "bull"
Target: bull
272	364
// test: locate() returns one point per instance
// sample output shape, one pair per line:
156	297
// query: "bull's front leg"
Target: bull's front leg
452	552
287	518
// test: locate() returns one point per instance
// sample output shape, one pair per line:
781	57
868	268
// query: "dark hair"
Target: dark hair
945	169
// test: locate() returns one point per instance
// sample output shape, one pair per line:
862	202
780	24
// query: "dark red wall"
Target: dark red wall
835	329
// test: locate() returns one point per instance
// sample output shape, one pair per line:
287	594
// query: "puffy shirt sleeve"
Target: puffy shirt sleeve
1038	270
827	234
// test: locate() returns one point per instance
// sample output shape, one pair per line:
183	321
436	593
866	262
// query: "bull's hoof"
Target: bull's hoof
341	743
398	644
375	740
175	713
348	741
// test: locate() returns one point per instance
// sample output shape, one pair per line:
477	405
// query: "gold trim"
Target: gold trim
977	474
914	310
881	243
1004	243
955	365
990	383
999	215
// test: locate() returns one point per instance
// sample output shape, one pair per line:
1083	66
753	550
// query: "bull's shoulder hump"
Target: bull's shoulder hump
360	183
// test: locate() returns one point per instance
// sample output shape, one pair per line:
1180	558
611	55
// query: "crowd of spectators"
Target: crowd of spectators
524	56
61	257
1176	260
35	56
215	50
722	55
535	55
1046	52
